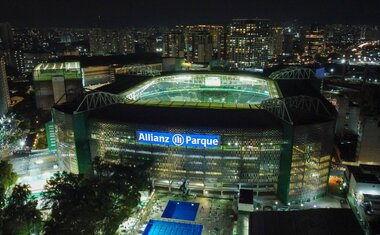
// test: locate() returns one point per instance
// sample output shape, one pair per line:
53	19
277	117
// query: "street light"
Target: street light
22	143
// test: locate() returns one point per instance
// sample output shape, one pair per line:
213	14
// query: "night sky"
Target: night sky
79	13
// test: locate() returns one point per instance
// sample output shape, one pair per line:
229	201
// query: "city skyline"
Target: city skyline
117	13
204	118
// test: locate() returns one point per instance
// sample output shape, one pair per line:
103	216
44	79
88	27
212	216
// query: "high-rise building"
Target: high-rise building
18	60
6	42
4	90
173	44
314	41
203	42
288	43
198	46
110	41
277	41
248	43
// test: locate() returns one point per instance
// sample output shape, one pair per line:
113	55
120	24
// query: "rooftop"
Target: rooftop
246	196
312	221
58	66
205	88
188	93
186	116
46	71
366	178
370	169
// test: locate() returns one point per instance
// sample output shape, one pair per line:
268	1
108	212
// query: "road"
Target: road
35	169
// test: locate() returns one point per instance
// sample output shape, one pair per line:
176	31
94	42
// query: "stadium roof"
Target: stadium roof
184	109
298	87
192	117
205	87
123	83
312	221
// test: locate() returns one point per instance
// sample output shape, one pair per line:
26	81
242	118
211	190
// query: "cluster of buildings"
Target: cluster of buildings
240	44
155	96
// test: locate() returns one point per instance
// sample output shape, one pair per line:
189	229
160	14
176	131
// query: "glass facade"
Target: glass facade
65	141
310	162
245	158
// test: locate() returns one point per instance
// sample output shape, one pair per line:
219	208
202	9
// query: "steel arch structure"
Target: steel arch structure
95	100
280	107
293	73
277	107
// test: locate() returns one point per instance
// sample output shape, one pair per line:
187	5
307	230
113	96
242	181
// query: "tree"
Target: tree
123	182
20	215
18	212
69	200
7	178
93	204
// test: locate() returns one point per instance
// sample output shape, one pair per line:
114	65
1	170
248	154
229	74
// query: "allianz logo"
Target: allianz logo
178	139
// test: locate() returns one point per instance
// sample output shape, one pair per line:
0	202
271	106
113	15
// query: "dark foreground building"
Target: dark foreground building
313	221
219	132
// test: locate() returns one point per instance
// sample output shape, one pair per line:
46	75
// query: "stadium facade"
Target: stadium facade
221	132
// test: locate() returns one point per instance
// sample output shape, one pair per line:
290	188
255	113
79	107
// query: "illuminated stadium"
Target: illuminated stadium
216	132
201	88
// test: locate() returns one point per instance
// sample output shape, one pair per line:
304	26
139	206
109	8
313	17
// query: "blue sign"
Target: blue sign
186	140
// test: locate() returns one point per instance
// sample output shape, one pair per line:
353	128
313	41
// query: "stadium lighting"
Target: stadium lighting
183	78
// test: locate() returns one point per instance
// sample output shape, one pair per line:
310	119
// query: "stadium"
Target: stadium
219	132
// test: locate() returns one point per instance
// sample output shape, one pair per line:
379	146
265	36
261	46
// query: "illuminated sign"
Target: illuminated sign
186	140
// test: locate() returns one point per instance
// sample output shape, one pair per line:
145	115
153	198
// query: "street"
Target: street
35	169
